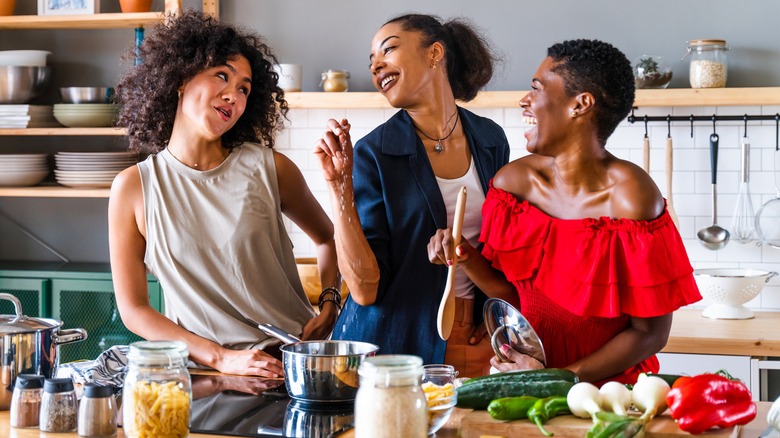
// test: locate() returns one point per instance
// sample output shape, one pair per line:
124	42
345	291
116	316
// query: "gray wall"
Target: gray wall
337	34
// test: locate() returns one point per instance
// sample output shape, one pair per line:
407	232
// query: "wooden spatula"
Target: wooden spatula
446	316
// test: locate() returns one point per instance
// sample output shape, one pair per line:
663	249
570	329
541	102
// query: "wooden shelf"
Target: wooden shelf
52	191
92	21
63	131
509	99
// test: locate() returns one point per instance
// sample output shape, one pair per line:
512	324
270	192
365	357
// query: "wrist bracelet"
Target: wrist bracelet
336	303
335	298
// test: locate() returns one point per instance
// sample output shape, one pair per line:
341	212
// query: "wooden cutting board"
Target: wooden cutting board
478	424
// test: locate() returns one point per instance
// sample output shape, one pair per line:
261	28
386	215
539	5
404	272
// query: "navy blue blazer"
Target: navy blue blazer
400	208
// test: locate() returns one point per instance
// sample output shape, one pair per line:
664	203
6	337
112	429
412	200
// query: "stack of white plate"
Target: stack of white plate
84	115
21	170
90	169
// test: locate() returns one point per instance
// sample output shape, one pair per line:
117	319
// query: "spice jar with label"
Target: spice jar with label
58	406
26	400
335	80
709	63
97	411
157	391
390	402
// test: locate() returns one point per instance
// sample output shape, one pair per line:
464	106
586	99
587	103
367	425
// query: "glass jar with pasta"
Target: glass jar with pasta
157	392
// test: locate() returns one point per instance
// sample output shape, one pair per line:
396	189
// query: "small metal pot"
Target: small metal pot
320	371
30	346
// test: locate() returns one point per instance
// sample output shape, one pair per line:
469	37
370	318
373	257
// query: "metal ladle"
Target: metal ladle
714	237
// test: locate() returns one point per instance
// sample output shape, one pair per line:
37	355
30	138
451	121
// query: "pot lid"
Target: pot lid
11	324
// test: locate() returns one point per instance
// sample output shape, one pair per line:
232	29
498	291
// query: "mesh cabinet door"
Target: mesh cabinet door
31	292
90	305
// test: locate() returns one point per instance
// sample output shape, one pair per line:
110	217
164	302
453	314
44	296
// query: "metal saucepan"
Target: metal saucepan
30	346
320	371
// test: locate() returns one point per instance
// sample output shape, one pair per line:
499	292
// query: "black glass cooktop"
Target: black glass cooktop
256	407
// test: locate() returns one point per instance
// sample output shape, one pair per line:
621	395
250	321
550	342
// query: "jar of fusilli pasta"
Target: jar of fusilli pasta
157	391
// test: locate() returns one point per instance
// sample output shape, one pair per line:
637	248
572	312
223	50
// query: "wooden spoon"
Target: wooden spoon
446	316
669	204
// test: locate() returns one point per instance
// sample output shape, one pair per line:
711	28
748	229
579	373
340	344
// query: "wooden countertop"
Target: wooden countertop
693	333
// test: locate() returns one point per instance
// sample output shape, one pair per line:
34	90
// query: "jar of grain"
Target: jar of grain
26	400
335	80
390	402
709	66
157	391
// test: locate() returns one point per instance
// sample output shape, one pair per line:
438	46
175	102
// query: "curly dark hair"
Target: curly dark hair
178	49
601	69
470	61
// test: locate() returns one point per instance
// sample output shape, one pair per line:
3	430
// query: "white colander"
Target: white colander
728	289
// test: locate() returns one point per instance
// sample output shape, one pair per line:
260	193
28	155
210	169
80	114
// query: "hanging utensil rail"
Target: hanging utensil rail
713	118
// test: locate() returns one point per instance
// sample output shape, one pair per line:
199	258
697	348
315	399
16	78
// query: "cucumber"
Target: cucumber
669	378
479	392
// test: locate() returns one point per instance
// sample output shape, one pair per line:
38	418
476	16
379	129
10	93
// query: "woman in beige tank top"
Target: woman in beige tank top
203	212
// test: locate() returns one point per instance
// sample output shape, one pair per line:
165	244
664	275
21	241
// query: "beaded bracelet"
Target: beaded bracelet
336	298
322	303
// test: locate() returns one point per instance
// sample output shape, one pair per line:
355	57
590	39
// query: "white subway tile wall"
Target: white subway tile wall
691	188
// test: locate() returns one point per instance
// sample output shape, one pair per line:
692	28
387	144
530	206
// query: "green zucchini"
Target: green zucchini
479	392
669	378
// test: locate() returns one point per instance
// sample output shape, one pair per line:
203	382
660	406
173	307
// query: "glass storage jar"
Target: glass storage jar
97	411
390	402
26	401
709	63
335	80
58	406
157	391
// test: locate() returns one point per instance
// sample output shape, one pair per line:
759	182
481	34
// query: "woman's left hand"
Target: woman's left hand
519	361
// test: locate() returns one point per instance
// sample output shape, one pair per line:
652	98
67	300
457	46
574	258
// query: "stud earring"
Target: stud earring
574	113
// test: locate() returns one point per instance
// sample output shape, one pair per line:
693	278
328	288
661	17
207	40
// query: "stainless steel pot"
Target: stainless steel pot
320	371
30	346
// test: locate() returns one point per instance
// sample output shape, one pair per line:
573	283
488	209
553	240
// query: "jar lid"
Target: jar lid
93	390
29	381
58	385
392	369
158	352
336	73
707	43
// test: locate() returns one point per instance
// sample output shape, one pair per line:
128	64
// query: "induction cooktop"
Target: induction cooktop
257	407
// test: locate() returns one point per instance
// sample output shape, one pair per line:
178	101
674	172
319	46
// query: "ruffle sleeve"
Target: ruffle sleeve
591	267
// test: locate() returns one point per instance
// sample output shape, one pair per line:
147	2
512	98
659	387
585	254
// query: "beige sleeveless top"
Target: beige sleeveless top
216	241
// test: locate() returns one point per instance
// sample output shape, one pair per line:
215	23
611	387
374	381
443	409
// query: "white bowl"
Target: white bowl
29	58
72	120
728	289
22	179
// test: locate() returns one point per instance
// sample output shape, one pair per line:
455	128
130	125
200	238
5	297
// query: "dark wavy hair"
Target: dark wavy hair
601	69
470	61
178	49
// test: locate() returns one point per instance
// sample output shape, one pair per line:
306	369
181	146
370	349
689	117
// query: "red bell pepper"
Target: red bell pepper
705	401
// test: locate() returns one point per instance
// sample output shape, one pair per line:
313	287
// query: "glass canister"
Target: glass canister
390	402
157	391
438	383
97	411
335	80
26	401
709	63
58	406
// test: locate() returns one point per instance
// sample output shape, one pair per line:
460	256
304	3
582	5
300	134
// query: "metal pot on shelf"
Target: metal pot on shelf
30	345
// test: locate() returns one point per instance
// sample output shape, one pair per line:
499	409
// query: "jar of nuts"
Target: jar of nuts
709	66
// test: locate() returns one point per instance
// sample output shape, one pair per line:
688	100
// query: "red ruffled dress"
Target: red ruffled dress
579	280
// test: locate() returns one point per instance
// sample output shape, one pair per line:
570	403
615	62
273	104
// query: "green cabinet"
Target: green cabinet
80	295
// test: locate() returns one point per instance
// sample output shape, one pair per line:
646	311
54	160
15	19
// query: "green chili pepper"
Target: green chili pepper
511	408
546	408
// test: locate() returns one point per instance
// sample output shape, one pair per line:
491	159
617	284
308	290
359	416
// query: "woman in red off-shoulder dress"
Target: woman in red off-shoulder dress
582	236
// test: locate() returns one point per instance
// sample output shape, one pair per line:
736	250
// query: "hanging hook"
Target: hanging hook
668	126
691	119
777	131
645	125
714	118
746	120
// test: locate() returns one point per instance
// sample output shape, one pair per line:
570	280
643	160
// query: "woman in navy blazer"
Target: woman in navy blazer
398	186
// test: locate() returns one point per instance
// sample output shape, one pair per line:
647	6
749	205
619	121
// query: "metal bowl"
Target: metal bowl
21	84
87	94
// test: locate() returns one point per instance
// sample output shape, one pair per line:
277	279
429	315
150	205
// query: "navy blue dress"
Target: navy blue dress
400	208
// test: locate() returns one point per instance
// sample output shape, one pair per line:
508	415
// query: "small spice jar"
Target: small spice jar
58	406
709	63
335	80
157	391
97	411
390	402
26	400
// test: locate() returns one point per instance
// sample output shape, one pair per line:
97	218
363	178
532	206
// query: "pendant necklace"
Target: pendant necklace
439	148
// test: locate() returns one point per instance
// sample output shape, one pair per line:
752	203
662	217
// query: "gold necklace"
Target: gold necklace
439	148
196	165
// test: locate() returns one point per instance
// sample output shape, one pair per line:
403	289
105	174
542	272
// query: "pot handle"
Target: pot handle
277	333
69	335
13	299
770	276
